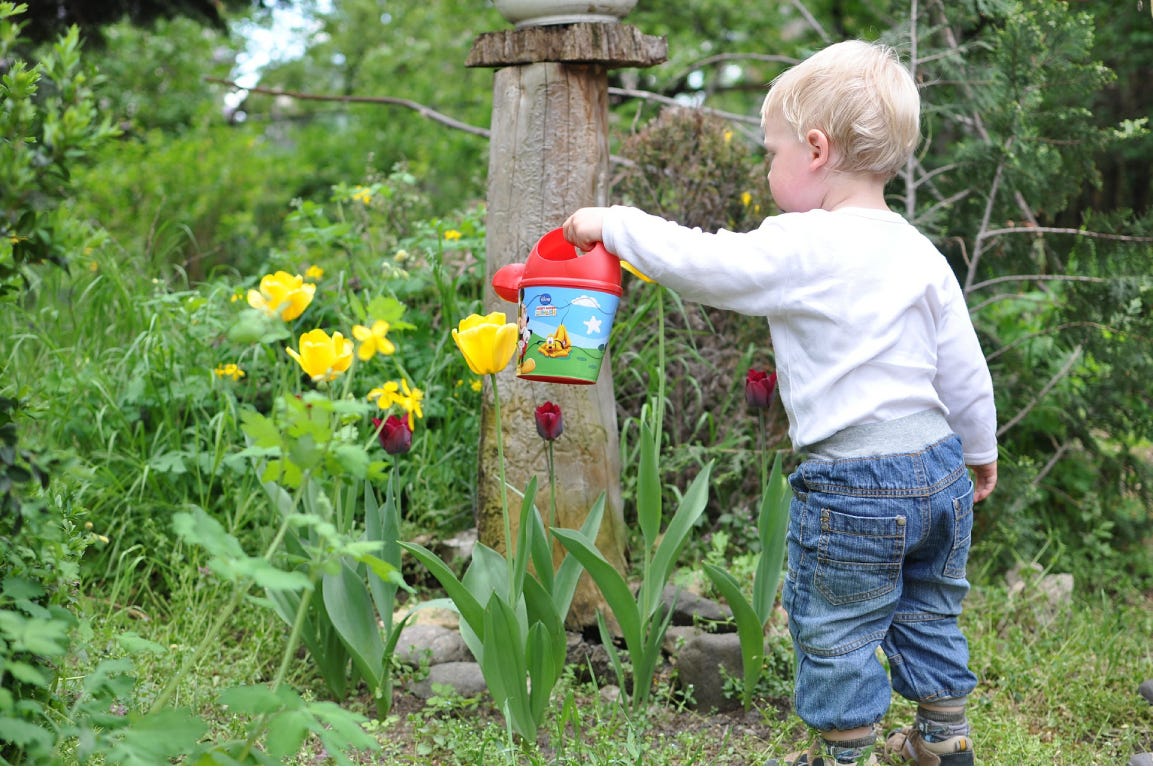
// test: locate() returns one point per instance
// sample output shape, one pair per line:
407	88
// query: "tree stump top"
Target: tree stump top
612	45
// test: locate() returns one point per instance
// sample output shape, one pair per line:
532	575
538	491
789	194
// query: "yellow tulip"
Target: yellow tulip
323	357
282	295
487	342
373	341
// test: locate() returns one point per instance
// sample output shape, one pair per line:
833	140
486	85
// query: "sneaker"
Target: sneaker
907	746
820	754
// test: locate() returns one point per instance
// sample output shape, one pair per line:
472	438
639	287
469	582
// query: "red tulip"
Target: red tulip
394	433
549	421
759	388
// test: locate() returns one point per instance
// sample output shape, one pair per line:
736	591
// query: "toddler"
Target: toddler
887	393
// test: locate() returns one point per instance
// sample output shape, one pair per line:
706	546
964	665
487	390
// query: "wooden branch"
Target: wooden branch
1074	356
1052	462
423	110
1066	231
1039	278
632	93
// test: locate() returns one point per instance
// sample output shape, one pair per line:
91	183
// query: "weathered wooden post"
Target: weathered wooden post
549	155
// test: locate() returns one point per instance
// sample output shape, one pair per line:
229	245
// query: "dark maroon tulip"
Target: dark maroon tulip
395	436
549	421
759	388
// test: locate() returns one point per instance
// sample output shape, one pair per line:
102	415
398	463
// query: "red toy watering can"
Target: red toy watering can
566	303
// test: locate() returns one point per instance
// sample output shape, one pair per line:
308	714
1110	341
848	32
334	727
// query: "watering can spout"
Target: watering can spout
506	282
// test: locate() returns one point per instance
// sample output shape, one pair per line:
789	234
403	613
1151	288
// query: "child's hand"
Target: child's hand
584	229
984	480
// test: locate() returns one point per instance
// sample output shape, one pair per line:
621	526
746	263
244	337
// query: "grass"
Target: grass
1057	688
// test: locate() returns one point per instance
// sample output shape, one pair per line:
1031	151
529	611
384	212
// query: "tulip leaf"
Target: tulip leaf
613	586
772	522
679	529
470	610
568	573
543	668
649	486
349	607
505	669
750	629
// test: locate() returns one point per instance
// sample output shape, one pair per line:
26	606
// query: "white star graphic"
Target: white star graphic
593	326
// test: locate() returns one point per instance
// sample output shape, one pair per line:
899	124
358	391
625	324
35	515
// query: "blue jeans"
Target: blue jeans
877	550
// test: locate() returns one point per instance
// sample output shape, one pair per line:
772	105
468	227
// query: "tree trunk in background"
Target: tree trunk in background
548	156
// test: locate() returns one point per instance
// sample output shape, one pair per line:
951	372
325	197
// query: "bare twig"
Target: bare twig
816	25
1039	278
1074	356
423	110
633	93
1065	231
1052	462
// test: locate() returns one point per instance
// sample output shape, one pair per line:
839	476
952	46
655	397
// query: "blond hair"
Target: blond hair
861	97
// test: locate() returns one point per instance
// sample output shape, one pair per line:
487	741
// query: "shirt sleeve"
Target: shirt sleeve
964	384
727	270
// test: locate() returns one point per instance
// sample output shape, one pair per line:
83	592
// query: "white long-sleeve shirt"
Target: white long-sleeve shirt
867	319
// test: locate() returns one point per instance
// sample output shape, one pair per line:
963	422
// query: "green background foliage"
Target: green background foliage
143	196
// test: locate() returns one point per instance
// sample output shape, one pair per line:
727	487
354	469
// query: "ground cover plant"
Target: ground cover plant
196	562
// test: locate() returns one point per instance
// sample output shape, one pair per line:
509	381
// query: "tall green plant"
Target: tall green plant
512	617
642	618
751	616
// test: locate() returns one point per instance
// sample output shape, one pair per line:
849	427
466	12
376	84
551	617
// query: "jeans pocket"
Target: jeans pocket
858	558
962	536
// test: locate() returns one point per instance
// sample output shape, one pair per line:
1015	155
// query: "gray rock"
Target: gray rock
689	607
1146	690
1142	758
590	661
430	644
700	663
464	677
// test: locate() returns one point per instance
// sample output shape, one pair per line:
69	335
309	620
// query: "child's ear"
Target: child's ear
818	145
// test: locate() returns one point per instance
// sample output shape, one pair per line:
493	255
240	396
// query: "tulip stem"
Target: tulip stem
503	485
552	492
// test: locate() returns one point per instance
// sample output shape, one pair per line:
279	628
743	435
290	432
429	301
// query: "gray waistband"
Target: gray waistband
908	433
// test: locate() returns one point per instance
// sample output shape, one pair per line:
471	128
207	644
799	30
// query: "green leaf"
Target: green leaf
349	607
19	588
612	585
352	459
261	430
252	700
680	528
569	571
154	738
470	610
345	729
26	673
504	666
41	637
648	487
773	524
25	735
750	629
287	732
